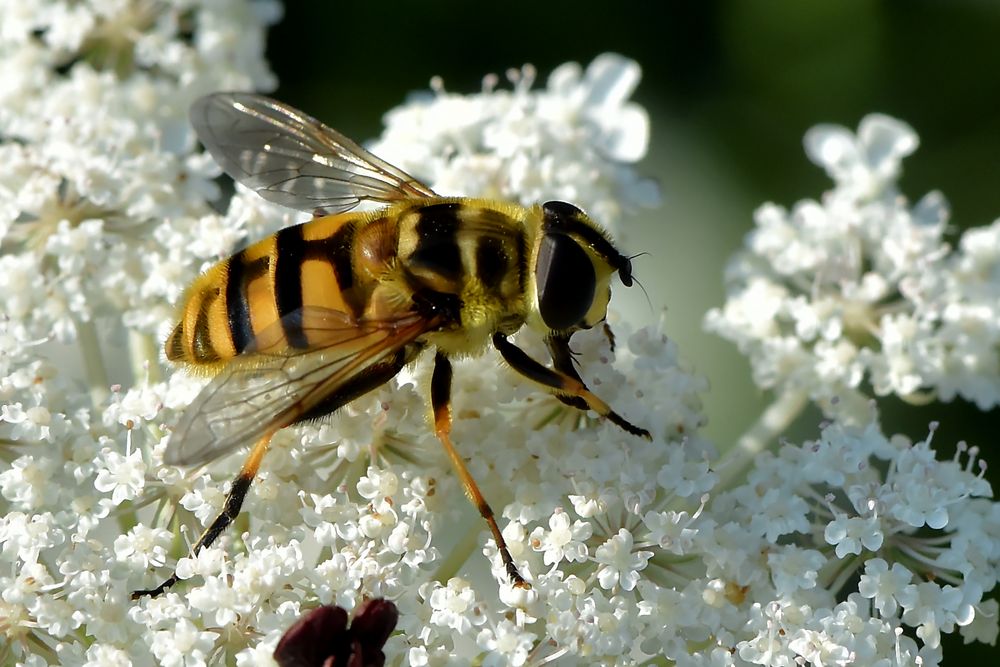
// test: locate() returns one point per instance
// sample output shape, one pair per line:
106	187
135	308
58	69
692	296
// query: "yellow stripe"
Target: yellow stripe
174	345
190	322
260	291
320	287
218	326
263	310
320	229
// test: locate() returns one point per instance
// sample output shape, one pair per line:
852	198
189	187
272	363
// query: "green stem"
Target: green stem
458	554
764	433
849	566
143	355
93	361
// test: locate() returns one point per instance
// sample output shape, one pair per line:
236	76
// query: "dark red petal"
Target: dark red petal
374	620
317	636
366	656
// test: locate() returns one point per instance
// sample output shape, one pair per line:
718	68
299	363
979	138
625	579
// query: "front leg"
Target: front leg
563	361
562	383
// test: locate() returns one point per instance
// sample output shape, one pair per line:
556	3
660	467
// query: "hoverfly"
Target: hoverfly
300	323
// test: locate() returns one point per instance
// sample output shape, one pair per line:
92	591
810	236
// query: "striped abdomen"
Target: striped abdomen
263	287
360	264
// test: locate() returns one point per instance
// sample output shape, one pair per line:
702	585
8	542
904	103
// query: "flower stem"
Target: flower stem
773	421
457	555
93	361
143	356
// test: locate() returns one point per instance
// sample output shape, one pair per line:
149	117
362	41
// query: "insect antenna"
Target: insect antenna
649	302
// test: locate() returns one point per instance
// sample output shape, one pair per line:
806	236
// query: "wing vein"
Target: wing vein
268	389
294	160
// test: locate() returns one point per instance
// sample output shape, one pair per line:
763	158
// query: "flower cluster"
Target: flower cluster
573	141
105	202
854	502
862	287
856	548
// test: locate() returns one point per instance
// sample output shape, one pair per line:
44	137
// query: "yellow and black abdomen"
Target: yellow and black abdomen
265	286
365	265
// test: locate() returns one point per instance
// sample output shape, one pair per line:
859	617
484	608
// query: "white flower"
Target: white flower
671	531
884	585
184	644
621	565
818	649
217	600
123	476
454	606
33	423
871	160
101	655
135	406
850	534
27	482
378	486
143	547
108	211
507	644
863	286
562	540
793	568
204	500
882	525
983	627
932	608
330	519
570	141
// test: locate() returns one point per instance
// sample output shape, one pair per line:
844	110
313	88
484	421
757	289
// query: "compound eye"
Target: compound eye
565	280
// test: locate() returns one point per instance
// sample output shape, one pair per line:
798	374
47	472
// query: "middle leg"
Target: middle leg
441	402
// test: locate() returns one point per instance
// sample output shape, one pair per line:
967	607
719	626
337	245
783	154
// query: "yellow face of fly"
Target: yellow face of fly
573	266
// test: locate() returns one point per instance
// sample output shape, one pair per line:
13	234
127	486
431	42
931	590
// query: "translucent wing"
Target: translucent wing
292	159
271	387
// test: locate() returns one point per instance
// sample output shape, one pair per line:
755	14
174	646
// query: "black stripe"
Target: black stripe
289	255
336	249
437	245
237	308
340	249
492	262
596	240
255	269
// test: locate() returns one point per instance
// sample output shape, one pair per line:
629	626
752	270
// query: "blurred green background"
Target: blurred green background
730	87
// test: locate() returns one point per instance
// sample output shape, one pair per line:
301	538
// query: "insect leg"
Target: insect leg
440	400
610	335
564	382
564	362
230	510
